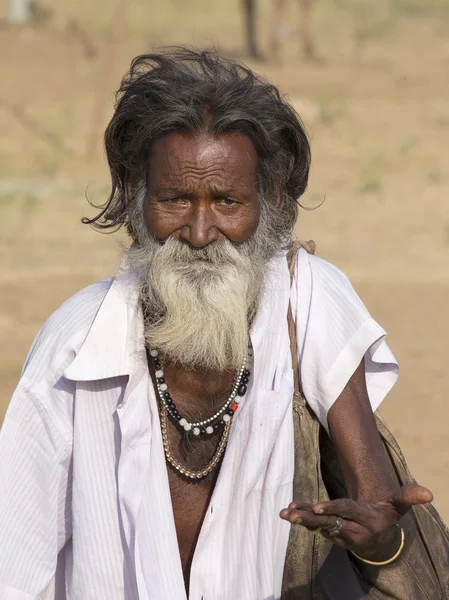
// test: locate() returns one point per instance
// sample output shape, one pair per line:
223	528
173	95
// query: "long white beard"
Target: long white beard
198	303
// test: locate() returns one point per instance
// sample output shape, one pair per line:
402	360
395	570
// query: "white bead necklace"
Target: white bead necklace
205	425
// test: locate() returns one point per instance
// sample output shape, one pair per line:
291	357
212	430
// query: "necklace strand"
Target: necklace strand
183	469
206	425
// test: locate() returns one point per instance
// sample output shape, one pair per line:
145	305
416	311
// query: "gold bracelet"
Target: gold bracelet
385	562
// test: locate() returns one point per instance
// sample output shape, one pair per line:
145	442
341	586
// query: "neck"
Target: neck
198	383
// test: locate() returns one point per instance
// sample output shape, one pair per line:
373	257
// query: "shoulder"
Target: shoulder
63	333
322	270
75	316
335	332
327	285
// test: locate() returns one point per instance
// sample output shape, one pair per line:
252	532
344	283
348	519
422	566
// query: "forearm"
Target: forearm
368	473
366	523
366	469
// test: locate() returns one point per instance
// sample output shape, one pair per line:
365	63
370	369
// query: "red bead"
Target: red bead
234	406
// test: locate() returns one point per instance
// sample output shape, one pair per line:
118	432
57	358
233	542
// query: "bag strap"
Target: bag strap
298	397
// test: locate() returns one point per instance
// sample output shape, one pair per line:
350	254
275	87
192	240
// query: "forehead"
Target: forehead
230	158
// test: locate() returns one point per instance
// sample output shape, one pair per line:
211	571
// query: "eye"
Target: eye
226	202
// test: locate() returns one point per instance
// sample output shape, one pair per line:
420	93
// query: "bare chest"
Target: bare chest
191	497
190	502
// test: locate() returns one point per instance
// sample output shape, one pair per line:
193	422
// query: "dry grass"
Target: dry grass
378	117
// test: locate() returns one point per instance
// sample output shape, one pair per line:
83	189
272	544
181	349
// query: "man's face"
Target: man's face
203	241
203	189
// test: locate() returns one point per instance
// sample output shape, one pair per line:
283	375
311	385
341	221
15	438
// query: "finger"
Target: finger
295	506
348	535
300	505
345	508
337	528
410	495
303	517
313	522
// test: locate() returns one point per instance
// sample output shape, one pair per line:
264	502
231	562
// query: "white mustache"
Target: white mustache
198	302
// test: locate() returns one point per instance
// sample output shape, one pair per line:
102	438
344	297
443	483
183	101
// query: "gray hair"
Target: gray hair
179	89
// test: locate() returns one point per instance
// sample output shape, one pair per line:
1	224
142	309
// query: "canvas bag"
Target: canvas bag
319	570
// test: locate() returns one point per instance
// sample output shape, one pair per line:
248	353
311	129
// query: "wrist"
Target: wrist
389	548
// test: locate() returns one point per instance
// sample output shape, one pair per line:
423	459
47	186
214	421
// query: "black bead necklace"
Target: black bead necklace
216	421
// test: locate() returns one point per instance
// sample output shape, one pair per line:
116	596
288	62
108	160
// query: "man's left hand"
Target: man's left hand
368	529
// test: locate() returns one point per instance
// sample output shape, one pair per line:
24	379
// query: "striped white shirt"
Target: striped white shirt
85	508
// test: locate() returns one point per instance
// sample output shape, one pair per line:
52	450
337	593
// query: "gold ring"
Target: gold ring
315	531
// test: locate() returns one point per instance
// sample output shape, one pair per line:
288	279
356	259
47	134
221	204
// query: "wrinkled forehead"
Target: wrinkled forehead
228	159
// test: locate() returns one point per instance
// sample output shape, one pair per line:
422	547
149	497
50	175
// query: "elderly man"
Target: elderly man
148	449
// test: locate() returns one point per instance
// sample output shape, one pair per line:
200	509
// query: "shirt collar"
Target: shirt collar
115	342
116	331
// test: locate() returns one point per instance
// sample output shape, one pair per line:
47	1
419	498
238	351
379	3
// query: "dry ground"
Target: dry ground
378	115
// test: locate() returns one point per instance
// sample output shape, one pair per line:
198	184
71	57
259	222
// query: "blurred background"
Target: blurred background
371	82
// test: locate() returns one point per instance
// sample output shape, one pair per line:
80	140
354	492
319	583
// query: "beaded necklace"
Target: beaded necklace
182	468
222	418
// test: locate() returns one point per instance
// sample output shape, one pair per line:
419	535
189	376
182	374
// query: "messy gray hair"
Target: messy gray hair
180	89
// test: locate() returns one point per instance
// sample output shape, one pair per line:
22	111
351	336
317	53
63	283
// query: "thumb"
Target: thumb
410	495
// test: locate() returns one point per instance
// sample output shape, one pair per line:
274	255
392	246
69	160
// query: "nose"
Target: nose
200	229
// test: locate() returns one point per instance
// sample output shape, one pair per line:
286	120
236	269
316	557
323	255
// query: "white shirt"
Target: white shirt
85	508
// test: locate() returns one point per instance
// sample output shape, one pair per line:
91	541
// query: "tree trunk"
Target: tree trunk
249	9
114	45
306	27
277	25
